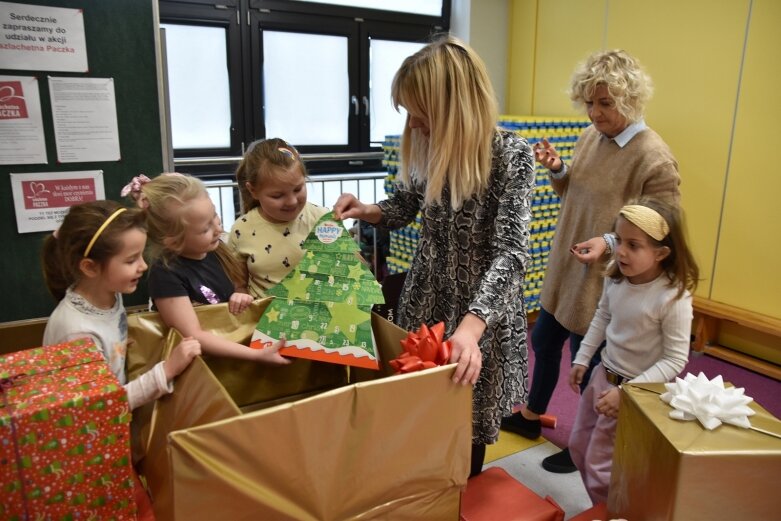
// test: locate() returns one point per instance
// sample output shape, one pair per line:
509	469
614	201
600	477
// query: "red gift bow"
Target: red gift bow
423	349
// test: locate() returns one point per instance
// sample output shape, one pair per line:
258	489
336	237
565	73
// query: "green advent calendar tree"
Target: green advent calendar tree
323	307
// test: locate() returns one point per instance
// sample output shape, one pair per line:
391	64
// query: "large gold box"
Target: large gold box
228	447
665	469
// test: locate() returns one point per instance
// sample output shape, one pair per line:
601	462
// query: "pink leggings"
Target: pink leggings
592	438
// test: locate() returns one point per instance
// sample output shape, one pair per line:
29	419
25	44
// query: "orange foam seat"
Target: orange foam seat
494	495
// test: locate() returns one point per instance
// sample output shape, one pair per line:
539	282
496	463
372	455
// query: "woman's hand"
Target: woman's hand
465	350
349	207
239	301
270	355
181	357
546	155
589	251
576	376
608	402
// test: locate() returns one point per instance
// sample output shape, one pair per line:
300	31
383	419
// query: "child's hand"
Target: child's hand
576	376
608	402
181	357
270	355
238	302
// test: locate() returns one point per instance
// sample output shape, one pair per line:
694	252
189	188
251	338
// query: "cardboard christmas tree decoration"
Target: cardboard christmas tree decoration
323	307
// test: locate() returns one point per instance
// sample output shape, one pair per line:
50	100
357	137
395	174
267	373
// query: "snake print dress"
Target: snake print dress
474	259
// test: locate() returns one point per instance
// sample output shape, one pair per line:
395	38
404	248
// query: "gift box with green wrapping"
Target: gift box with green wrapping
64	436
668	469
387	447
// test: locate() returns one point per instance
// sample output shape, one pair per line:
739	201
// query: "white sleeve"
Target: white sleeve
596	330
148	387
676	340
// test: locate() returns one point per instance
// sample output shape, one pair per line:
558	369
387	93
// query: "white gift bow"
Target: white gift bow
696	397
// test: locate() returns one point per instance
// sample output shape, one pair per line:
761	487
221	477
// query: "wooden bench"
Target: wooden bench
21	334
25	334
708	316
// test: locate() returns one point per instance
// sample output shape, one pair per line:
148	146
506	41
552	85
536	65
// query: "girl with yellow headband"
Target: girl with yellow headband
88	263
644	317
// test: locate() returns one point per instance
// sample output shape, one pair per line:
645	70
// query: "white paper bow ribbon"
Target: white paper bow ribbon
696	397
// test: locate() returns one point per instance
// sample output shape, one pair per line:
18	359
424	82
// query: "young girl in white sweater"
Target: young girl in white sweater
645	316
89	262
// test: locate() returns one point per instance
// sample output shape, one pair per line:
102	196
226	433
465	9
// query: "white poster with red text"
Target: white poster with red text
42	199
21	126
42	38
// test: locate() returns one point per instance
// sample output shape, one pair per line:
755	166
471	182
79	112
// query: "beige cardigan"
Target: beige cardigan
601	179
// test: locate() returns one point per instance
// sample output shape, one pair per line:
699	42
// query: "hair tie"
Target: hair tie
647	219
100	230
133	188
287	152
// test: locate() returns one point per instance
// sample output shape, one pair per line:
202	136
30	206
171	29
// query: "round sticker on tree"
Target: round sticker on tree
328	231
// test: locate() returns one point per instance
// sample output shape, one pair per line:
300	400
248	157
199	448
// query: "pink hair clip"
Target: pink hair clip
287	152
133	188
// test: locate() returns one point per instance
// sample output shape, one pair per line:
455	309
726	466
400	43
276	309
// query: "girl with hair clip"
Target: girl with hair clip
645	317
190	264
473	184
95	257
277	217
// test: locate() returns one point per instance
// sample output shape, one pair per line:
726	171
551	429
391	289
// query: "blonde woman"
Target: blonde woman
616	159
473	186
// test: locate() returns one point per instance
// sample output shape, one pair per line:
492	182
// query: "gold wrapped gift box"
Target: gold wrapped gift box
238	440
666	469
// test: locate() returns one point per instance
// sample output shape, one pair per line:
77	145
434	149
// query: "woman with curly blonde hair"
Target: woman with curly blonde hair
617	158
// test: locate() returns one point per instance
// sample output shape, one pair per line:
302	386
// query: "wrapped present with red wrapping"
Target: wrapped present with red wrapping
64	436
423	349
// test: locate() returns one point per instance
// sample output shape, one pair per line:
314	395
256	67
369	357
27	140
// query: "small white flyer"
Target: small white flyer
42	38
85	119
42	199
22	141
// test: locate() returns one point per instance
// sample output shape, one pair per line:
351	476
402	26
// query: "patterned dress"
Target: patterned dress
474	260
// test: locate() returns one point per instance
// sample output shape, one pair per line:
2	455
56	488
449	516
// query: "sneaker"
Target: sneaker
560	463
519	425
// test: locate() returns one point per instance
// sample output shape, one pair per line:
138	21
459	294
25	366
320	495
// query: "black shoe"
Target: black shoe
560	463
519	425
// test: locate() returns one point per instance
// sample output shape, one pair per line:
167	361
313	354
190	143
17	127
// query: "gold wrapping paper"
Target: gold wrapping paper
665	469
151	340
388	448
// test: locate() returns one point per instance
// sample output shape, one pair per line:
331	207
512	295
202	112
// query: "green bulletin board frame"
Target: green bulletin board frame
120	38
